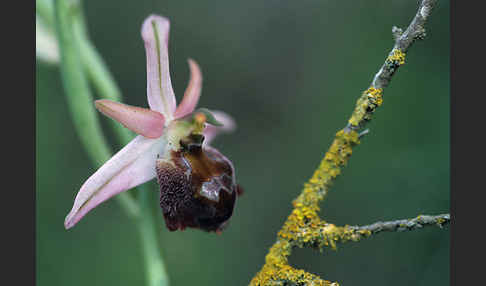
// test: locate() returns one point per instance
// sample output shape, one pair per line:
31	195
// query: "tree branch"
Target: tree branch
327	234
372	97
303	227
403	40
405	224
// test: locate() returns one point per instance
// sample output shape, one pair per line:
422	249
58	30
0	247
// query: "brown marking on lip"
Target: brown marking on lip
197	187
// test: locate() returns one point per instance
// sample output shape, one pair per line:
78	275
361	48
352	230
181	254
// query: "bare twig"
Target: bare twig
405	224
363	133
403	40
303	227
373	96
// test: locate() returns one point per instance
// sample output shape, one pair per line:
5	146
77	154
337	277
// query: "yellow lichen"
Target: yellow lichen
374	95
277	275
276	269
366	105
397	57
303	226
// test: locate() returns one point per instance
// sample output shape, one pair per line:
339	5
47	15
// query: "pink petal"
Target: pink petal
131	166
211	131
192	93
142	121
155	34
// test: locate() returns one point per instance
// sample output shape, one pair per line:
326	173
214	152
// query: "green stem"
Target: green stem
79	97
95	68
156	273
99	74
45	10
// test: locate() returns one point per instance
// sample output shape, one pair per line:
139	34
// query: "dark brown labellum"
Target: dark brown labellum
197	187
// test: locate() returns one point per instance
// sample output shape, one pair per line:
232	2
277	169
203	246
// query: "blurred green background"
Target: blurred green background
290	73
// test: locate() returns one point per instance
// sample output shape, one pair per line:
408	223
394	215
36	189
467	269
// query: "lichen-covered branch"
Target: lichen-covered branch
303	227
327	234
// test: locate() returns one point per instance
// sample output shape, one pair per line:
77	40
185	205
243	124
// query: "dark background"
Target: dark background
290	73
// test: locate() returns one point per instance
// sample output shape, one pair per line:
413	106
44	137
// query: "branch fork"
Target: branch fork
303	227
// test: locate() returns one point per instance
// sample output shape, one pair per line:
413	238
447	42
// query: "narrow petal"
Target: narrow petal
142	121
192	93
155	34
131	166
211	131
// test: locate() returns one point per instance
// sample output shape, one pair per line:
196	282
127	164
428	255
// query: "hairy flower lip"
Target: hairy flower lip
197	188
134	164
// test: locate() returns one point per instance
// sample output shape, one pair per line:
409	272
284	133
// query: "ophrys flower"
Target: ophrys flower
197	183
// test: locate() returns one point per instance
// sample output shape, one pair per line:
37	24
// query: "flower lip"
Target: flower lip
197	188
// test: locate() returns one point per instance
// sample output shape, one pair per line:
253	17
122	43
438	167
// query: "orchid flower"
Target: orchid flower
197	183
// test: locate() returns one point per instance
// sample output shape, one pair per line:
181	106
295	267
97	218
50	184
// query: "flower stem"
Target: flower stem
95	68
156	274
45	10
99	74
